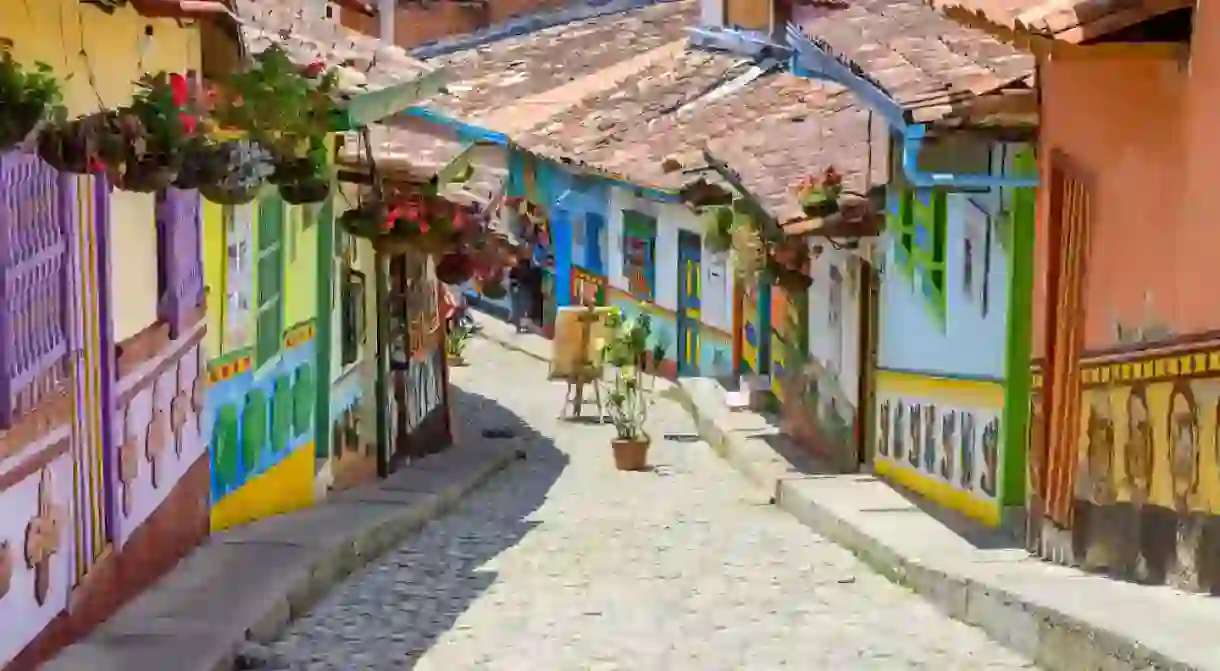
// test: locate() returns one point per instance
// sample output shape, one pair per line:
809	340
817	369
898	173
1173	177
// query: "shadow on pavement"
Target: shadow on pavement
388	615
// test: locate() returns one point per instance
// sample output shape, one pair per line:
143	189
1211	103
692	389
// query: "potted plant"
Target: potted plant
232	172
290	110
147	138
625	349
718	227
456	341
455	268
27	97
819	196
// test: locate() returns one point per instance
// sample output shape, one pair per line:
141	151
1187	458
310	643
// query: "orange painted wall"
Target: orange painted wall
1199	237
1118	118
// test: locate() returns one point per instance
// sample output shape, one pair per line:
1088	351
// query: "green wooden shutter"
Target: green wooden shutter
270	277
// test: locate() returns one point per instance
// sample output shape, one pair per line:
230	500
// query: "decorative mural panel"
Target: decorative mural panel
353	427
260	430
1146	499
942	438
158	427
789	339
37	513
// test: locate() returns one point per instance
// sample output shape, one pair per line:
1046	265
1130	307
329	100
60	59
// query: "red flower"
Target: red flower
391	218
423	227
189	124
96	165
315	68
180	88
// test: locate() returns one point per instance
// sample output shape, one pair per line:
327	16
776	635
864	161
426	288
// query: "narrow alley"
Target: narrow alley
561	563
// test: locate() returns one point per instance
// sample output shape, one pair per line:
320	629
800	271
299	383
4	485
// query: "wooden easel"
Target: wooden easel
586	373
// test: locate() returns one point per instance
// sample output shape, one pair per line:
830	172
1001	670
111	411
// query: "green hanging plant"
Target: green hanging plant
290	110
28	97
718	228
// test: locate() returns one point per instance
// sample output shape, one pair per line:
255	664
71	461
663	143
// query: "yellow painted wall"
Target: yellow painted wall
286	487
97	57
300	264
901	396
214	274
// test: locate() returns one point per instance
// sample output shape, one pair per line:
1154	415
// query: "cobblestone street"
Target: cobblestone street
562	563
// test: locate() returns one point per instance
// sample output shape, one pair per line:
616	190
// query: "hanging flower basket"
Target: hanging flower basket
369	220
148	174
71	146
301	180
493	288
232	172
27	98
718	228
819	196
455	268
287	109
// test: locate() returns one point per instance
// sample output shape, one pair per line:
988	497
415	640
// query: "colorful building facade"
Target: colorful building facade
950	391
103	474
261	398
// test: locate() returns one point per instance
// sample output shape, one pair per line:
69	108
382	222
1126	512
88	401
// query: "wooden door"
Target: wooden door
418	420
1053	469
690	249
869	334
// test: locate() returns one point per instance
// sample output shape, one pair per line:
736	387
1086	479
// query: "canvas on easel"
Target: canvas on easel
576	355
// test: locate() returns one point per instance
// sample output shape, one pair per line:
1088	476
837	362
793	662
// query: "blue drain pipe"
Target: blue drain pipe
809	60
913	136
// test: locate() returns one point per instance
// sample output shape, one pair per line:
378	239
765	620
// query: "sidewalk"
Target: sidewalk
249	583
1063	618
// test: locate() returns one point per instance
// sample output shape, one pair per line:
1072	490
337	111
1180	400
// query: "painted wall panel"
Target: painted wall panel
261	445
158	428
31	597
971	340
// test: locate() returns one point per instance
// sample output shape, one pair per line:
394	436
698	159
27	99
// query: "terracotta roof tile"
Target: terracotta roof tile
917	55
515	72
365	63
1072	21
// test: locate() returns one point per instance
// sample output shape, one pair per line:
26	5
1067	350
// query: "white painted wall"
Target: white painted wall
716	280
836	346
711	12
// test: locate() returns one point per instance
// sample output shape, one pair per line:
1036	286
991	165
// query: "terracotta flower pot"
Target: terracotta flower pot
630	455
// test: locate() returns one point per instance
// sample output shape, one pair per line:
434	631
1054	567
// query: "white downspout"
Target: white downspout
385	13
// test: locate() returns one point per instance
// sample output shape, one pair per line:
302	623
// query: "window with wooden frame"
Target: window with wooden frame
179	261
351	299
639	253
270	270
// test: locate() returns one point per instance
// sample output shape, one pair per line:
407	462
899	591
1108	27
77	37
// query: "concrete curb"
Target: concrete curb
250	583
1052	638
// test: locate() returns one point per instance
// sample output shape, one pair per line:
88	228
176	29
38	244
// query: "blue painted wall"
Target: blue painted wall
964	342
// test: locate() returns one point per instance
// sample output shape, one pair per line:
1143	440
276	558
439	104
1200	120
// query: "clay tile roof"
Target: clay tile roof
514	84
1072	21
923	59
772	131
365	63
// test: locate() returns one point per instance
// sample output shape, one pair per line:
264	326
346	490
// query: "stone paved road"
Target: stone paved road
563	563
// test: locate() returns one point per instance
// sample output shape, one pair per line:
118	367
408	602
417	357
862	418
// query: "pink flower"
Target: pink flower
181	89
189	124
315	68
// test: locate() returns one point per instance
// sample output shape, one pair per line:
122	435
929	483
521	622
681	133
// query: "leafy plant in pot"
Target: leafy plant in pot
232	172
289	110
28	97
456	340
625	349
152	134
